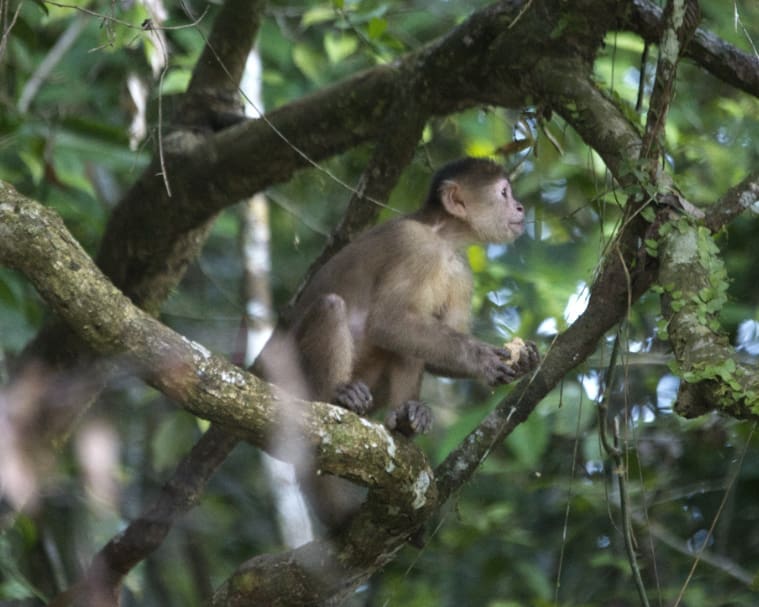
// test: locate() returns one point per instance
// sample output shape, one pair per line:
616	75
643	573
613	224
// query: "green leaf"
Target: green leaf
318	14
308	62
478	259
339	46
376	27
6	293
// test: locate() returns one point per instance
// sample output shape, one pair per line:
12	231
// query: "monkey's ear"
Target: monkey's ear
452	199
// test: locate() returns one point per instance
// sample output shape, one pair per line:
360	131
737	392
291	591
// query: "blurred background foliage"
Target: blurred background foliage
539	524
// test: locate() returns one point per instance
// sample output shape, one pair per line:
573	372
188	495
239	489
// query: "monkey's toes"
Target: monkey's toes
354	396
411	418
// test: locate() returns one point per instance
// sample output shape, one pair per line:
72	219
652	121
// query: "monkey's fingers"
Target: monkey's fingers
354	396
531	354
521	355
501	372
411	418
495	367
527	359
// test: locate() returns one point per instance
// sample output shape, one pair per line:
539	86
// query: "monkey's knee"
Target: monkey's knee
329	308
325	316
325	345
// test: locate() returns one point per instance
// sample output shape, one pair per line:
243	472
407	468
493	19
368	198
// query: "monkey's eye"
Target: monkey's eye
505	192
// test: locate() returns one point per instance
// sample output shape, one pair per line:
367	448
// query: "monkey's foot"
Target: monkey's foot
354	396
411	418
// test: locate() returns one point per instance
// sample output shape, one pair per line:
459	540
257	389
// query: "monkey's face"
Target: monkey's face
496	216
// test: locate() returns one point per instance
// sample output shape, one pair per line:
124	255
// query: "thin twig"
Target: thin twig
7	32
570	494
616	453
624	505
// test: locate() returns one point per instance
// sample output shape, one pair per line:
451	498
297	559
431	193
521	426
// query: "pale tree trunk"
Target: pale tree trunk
292	514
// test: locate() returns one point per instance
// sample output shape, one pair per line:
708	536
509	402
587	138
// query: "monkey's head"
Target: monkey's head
476	192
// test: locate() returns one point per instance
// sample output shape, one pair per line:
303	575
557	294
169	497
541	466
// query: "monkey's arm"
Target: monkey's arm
443	349
521	355
421	309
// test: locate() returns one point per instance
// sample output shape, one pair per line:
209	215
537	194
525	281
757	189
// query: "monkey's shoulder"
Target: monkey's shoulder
421	256
411	237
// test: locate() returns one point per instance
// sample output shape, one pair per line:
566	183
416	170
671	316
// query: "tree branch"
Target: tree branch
34	241
737	200
100	584
144	257
391	155
680	20
694	282
722	60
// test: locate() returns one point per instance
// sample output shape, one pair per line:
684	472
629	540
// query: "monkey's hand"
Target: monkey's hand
504	365
523	355
410	418
354	396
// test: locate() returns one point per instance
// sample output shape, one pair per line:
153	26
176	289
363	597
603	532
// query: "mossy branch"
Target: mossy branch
694	284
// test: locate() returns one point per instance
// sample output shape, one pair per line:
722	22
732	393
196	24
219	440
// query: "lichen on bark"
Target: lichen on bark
693	282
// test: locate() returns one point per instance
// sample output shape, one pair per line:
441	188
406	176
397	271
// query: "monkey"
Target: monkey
395	303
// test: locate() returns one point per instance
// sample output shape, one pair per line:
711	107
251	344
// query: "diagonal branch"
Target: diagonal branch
736	200
34	241
391	155
680	20
184	489
139	250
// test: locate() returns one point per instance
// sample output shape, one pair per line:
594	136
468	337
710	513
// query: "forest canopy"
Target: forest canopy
173	174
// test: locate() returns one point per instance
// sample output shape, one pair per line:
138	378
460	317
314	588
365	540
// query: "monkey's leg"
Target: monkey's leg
325	344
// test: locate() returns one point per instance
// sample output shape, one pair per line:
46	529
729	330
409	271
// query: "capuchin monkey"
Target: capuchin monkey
396	302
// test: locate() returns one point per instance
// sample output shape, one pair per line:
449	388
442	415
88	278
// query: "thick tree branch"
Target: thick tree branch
34	241
144	257
723	60
694	283
567	87
391	155
219	69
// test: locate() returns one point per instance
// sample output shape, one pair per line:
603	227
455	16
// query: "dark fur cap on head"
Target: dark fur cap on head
472	171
